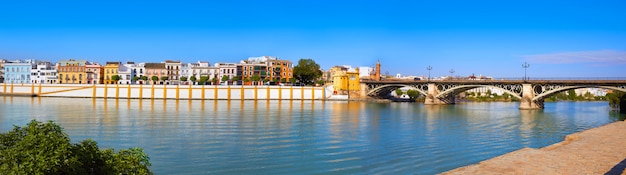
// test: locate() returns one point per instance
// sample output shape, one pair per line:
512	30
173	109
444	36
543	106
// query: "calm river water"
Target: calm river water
308	137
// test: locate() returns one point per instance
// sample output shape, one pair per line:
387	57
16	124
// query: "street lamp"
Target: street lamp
429	68
525	65
452	73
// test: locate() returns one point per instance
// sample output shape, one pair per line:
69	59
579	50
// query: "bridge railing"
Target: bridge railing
560	78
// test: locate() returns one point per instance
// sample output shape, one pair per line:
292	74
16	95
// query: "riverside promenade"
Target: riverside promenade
595	151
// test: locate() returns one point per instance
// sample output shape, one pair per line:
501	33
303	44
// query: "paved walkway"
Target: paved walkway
596	151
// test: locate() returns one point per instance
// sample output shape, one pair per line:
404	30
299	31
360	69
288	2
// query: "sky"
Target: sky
568	38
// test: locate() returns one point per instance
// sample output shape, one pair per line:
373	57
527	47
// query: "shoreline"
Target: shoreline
593	151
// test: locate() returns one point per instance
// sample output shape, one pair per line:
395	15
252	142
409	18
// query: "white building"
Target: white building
126	73
140	70
484	90
203	69
44	73
365	71
184	71
226	69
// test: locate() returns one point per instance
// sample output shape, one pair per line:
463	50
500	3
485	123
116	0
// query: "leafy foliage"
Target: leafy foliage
307	71
155	78
203	79
193	78
413	94
43	148
165	78
183	78
615	98
115	78
144	78
135	78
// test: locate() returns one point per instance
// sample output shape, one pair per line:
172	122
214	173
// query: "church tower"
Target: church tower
377	76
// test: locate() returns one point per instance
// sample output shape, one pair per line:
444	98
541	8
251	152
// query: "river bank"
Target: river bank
594	151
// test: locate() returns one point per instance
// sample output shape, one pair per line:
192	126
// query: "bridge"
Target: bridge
530	92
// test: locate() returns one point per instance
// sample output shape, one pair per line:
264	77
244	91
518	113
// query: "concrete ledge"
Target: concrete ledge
594	151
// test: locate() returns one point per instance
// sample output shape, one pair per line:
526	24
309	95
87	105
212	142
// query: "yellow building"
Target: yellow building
346	81
110	69
72	71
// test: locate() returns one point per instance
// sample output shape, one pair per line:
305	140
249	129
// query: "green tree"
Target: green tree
193	78
292	80
115	78
225	78
413	93
321	82
203	79
571	94
256	78
135	78
399	92
183	78
43	148
144	78
155	79
164	78
615	99
214	80
306	71
283	80
236	78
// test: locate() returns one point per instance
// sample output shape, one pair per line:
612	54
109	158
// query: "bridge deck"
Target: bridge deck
502	82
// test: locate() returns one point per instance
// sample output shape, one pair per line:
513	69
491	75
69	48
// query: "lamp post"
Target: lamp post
452	73
525	65
429	68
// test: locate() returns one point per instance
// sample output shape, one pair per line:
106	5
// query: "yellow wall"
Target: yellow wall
109	71
347	81
72	74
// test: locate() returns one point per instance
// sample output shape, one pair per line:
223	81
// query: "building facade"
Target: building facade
173	71
346	81
279	70
2	61
72	71
111	69
228	70
126	73
94	74
203	69
155	72
44	73
17	72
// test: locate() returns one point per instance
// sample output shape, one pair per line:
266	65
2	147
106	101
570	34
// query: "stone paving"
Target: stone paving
600	150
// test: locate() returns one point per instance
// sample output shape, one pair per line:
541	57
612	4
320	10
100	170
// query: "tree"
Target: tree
193	78
21	152
135	78
225	78
183	78
144	78
283	80
306	71
203	79
154	79
413	93
292	80
321	82
236	78
256	78
115	78
164	78
399	92
214	80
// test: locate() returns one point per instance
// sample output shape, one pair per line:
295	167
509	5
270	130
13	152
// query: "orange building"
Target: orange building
279	70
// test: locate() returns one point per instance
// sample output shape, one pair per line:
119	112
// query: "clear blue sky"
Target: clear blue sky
566	38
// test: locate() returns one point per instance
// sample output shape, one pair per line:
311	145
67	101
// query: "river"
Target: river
308	137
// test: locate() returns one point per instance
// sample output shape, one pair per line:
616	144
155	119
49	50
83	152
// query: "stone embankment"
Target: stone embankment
596	151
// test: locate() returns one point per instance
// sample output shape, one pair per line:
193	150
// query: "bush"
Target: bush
43	148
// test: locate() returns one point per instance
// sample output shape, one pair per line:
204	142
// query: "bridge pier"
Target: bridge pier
431	97
527	103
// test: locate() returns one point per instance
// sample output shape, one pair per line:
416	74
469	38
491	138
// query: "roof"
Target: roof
155	65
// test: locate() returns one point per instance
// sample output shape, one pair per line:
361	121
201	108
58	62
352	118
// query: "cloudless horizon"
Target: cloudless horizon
494	38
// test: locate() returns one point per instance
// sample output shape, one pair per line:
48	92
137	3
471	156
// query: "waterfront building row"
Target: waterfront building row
254	70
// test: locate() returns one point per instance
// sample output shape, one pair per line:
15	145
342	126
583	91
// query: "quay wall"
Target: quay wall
193	92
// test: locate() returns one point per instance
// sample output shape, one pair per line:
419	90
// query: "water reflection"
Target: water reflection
309	137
